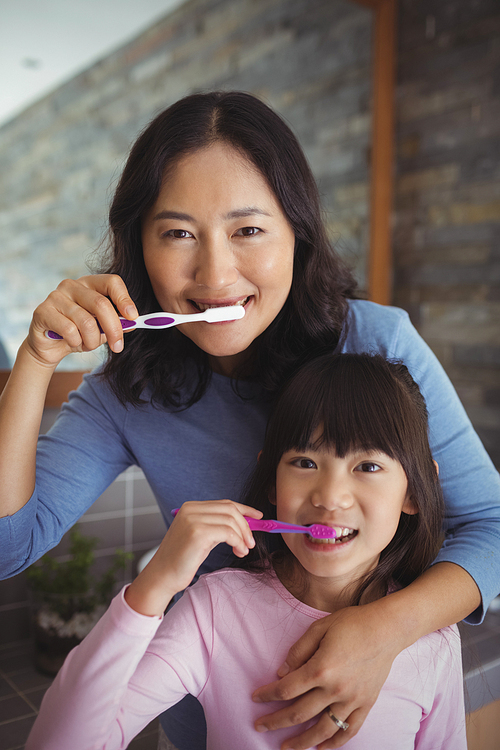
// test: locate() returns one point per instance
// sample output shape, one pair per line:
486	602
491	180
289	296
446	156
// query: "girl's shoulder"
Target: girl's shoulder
232	580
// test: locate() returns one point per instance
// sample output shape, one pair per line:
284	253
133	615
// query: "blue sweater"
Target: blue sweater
206	452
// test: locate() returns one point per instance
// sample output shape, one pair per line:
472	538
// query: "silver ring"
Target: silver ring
341	724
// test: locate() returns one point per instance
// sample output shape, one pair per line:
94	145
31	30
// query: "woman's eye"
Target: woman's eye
177	234
248	231
368	466
304	463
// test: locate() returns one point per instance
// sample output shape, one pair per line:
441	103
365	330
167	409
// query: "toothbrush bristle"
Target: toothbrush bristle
219	314
324	532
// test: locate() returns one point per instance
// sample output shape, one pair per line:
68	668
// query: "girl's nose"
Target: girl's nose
332	494
215	267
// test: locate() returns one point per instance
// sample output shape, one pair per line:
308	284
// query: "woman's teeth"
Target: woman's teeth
343	535
201	307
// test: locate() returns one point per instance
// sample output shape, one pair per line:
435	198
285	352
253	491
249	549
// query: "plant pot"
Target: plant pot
59	623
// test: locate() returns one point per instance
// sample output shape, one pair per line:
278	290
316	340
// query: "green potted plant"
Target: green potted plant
67	599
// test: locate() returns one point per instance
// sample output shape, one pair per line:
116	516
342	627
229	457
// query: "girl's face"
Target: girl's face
361	496
217	236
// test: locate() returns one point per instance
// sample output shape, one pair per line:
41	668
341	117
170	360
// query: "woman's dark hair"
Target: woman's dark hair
313	316
360	402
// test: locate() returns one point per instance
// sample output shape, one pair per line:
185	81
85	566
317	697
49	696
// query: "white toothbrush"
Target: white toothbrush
160	320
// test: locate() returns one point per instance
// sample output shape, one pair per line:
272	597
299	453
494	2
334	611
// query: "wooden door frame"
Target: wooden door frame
382	153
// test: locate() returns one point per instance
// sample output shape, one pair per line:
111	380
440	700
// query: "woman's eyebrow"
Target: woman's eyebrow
240	213
176	215
237	213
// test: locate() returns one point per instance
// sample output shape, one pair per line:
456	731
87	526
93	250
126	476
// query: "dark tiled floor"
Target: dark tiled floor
21	692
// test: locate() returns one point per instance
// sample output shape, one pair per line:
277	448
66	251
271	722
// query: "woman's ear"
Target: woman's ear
437	466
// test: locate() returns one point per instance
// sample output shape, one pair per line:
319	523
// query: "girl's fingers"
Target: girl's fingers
227	513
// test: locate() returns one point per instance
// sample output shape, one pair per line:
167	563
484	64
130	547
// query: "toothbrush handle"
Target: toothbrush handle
126	324
274	527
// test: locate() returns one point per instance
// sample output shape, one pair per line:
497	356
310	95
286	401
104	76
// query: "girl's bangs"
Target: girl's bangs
354	407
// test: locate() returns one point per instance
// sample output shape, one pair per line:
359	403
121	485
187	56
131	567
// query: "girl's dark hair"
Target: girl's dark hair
313	316
360	402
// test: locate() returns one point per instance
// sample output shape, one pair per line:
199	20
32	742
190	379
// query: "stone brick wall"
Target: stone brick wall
310	59
447	209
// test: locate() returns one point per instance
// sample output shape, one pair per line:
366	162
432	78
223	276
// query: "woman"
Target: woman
217	206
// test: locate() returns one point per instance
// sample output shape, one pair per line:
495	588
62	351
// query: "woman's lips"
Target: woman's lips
202	305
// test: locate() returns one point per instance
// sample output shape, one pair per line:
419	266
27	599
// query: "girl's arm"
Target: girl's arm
196	530
71	310
344	659
119	678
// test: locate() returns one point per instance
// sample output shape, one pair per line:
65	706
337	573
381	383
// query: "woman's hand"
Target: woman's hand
342	662
73	311
344	659
197	528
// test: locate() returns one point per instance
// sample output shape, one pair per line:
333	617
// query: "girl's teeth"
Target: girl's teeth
343	535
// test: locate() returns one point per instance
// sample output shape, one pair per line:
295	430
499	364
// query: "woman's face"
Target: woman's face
217	236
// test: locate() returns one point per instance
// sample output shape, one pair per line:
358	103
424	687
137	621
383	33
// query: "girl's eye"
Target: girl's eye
368	466
304	463
177	234
248	231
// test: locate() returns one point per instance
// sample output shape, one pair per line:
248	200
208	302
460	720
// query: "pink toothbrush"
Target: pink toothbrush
277	527
160	320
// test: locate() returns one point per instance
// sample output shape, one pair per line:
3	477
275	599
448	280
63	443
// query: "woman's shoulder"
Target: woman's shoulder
374	327
364	313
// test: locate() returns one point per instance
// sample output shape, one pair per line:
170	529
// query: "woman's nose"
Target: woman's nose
215	266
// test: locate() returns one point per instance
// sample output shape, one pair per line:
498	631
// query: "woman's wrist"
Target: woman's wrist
442	596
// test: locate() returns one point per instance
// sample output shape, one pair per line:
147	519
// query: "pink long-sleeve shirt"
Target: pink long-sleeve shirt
227	636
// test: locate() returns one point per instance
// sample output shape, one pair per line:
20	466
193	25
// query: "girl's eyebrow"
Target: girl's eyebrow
238	213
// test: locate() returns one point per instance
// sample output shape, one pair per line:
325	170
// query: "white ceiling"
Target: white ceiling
46	42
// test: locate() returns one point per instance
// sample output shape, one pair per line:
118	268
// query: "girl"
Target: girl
217	206
346	448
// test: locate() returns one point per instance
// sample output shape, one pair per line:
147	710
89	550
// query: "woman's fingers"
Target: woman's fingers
352	658
300	653
340	738
325	734
83	313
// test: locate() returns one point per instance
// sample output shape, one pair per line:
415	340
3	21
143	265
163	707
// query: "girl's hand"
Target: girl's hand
342	662
197	528
72	310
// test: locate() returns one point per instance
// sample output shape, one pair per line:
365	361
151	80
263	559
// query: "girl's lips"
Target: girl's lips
343	539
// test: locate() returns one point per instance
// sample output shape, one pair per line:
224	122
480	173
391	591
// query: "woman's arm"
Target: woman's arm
344	659
71	310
